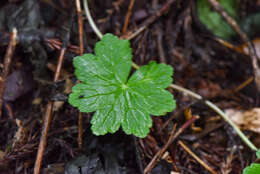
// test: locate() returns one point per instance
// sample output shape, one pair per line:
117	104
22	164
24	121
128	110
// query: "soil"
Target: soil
176	37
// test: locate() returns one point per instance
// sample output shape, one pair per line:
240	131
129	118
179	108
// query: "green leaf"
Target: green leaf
213	21
254	168
116	99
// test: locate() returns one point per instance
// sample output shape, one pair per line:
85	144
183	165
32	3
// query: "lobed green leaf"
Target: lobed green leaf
116	99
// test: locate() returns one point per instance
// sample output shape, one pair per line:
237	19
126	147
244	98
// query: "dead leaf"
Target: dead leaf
68	86
57	105
188	115
37	101
2	155
226	166
21	134
246	120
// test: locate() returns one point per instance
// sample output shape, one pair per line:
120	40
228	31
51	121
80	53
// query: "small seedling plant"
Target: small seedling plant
118	97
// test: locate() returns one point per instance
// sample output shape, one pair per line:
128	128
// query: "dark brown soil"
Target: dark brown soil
177	38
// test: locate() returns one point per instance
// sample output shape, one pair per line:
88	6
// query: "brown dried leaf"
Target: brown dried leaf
188	115
21	135
2	155
58	105
246	120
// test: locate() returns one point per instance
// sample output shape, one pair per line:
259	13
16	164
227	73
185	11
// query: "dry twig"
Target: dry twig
47	118
159	44
187	149
80	130
80	25
173	137
6	68
159	36
150	20
128	15
244	84
81	46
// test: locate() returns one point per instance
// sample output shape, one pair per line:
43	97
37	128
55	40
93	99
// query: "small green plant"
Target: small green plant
117	99
213	21
254	168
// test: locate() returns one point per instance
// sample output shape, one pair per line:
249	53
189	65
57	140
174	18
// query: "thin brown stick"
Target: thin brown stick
80	25
150	20
47	119
157	156
215	4
128	15
159	36
59	66
80	130
7	61
206	166
159	44
81	46
44	135
244	84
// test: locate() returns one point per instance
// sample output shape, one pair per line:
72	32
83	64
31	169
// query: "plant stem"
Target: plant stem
183	90
219	111
135	66
91	21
